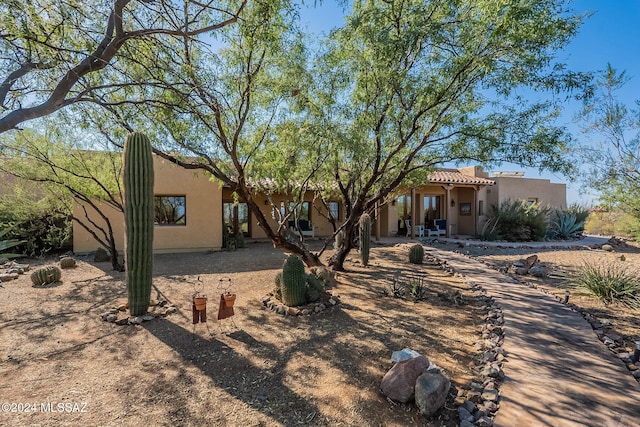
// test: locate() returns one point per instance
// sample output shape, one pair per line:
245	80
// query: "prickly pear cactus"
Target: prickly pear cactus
138	219
365	238
416	254
293	282
46	275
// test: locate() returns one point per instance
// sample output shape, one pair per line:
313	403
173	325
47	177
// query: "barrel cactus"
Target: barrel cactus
138	213
365	238
416	254
67	262
293	282
46	275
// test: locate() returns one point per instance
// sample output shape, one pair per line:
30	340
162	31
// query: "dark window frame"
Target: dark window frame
181	220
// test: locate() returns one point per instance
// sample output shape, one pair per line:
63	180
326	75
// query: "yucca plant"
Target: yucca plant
8	244
610	283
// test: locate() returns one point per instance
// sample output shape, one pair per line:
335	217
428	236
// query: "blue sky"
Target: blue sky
610	35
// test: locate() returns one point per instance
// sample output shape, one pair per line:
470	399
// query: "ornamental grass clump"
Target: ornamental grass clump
610	283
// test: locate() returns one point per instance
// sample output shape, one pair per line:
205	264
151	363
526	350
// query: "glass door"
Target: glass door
236	217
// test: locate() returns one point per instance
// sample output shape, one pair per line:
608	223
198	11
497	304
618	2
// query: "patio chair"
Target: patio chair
439	228
419	231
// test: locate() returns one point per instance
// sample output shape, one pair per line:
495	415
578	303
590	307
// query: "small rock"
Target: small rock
531	261
122	322
147	317
265	299
470	406
464	414
636	374
632	367
306	312
607	248
488	407
538	271
171	310
465	423
399	382
294	311
484	421
616	338
135	320
490	394
111	318
332	301
5	277
431	390
404	354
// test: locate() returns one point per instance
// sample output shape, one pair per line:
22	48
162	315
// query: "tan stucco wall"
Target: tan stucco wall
546	192
203	229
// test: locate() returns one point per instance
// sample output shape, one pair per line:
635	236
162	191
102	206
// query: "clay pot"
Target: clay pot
200	302
229	299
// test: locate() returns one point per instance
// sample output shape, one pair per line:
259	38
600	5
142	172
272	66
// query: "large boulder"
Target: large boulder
399	383
431	390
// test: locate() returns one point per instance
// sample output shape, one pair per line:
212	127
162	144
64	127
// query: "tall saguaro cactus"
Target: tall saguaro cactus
138	221
365	238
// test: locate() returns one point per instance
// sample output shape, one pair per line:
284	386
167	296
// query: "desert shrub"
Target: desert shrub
42	227
519	221
610	283
580	212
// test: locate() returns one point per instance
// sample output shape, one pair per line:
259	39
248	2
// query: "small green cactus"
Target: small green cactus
416	254
277	291
293	282
67	262
315	288
365	238
46	275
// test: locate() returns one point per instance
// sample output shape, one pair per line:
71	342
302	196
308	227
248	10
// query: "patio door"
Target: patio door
432	208
236	217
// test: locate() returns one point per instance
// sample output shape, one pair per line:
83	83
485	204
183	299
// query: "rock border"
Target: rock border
478	405
602	328
272	303
112	314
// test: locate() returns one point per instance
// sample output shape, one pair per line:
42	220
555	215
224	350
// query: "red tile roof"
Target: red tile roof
454	177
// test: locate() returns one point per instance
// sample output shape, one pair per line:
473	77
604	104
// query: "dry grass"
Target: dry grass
273	370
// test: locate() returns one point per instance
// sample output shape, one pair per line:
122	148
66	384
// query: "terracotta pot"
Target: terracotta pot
200	302
229	299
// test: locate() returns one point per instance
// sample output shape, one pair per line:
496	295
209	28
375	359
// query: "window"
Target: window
301	211
334	210
170	210
532	200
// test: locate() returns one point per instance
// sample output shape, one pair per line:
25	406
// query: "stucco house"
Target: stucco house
192	209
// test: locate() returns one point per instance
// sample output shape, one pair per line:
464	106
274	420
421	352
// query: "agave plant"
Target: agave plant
565	226
7	244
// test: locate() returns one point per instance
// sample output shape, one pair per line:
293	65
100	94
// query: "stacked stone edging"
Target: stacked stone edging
479	405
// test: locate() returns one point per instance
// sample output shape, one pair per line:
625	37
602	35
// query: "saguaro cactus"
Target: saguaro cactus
138	221
365	238
293	282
